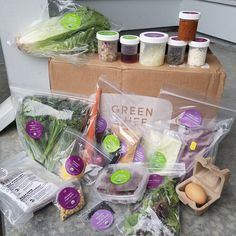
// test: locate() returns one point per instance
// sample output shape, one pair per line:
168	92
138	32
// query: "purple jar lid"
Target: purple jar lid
102	219
34	129
74	165
68	198
154	181
191	118
139	155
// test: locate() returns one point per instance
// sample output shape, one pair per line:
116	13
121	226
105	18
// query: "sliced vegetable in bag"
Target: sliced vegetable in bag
41	119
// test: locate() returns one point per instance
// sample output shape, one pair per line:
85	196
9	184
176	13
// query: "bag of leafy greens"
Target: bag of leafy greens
157	214
41	119
71	31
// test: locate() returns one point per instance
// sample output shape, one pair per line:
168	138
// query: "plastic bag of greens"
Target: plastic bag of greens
201	124
42	117
25	187
157	214
71	31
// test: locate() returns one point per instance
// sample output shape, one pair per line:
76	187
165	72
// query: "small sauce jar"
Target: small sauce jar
107	45
152	48
188	22
198	51
176	51
129	48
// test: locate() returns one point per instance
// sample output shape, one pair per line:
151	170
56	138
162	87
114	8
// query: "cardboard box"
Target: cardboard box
207	81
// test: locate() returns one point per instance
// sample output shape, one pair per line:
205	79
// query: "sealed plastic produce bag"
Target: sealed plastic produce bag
25	187
102	218
71	31
70	200
201	124
74	157
161	146
41	118
157	214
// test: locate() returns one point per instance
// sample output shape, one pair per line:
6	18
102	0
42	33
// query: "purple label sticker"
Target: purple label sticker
101	125
74	165
102	219
201	40
154	35
139	155
190	12
34	129
123	149
68	198
191	118
154	181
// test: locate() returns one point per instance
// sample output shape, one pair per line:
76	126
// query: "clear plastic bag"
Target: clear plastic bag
74	157
156	215
25	187
70	31
42	117
200	123
134	109
70	200
102	218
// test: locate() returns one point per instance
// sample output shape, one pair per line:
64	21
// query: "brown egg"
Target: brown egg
196	193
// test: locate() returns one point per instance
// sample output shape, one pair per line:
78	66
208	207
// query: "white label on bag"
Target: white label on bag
135	108
27	189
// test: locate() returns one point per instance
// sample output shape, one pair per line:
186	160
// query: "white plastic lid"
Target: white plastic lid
107	35
129	39
175	41
189	15
153	37
200	42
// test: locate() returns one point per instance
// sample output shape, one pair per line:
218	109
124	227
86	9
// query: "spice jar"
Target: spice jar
107	45
188	21
152	48
129	48
197	51
176	51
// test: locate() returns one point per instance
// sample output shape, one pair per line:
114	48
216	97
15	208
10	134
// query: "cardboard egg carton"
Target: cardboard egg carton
210	178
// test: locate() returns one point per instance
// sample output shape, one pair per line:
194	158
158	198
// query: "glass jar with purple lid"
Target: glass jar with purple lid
152	48
176	51
129	48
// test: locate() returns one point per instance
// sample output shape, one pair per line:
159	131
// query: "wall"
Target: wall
217	19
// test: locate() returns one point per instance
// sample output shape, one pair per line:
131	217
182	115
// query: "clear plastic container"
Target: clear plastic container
188	22
122	183
198	51
152	48
176	51
129	48
107	45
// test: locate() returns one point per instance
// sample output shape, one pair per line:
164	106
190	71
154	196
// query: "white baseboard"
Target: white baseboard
7	114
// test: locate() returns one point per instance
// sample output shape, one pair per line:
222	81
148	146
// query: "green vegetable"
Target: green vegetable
65	34
158	213
53	115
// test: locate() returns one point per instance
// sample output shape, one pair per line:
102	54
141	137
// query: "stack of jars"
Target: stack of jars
153	45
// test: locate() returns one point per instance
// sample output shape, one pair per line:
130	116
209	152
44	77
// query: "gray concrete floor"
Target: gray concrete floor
226	158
